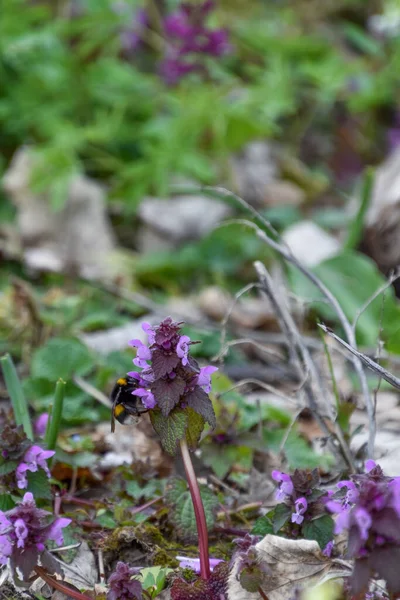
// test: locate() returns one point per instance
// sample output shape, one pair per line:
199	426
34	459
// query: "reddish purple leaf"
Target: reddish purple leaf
163	363
167	393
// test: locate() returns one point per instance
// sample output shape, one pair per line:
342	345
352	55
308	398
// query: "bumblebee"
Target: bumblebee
126	408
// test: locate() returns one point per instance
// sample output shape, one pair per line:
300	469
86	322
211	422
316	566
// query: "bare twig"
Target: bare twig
89	389
341	316
301	359
368	362
226	318
102	576
392	278
261	384
224	351
271	240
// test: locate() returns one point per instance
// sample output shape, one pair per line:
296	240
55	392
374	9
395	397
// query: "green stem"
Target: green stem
17	397
55	419
198	511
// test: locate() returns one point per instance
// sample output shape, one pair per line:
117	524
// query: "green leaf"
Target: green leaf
263	525
153	579
171	429
353	279
221	458
6	502
147	491
61	358
17	397
39	485
281	514
7	466
195	426
182	515
320	530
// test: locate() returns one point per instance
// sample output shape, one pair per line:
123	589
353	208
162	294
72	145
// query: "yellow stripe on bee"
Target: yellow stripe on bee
118	410
122	381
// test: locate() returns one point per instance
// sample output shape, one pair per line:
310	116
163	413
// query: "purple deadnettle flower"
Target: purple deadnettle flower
301	507
194	563
327	551
204	377
189	39
170	377
23	533
146	397
286	486
33	459
182	348
123	584
370	511
40	424
143	354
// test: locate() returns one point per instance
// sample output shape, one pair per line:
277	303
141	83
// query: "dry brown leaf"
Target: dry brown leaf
293	563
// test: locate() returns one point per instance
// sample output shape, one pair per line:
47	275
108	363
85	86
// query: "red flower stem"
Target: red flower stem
57	585
262	594
198	511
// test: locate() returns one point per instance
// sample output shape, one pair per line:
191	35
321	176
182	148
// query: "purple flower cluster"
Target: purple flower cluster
21	456
23	533
33	459
189	38
368	507
123	585
286	492
169	375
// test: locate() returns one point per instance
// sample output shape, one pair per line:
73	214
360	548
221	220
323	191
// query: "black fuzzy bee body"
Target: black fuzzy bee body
126	408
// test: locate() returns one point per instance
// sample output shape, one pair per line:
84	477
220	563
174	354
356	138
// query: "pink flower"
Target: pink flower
143	354
33	459
182	348
286	486
194	563
23	533
40	424
147	397
204	378
301	507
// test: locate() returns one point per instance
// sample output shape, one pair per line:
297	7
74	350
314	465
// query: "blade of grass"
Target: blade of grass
357	226
17	397
55	418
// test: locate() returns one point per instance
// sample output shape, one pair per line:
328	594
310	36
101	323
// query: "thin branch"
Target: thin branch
228	313
224	351
368	362
89	389
286	253
392	278
302	359
261	384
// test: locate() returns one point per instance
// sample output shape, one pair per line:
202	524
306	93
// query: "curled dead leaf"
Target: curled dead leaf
294	564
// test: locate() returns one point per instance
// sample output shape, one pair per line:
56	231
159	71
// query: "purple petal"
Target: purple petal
147	397
40	424
149	330
364	522
5	549
21	532
327	551
204	377
55	531
186	562
369	465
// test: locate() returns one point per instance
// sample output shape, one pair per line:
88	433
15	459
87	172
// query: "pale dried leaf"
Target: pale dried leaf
293	563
